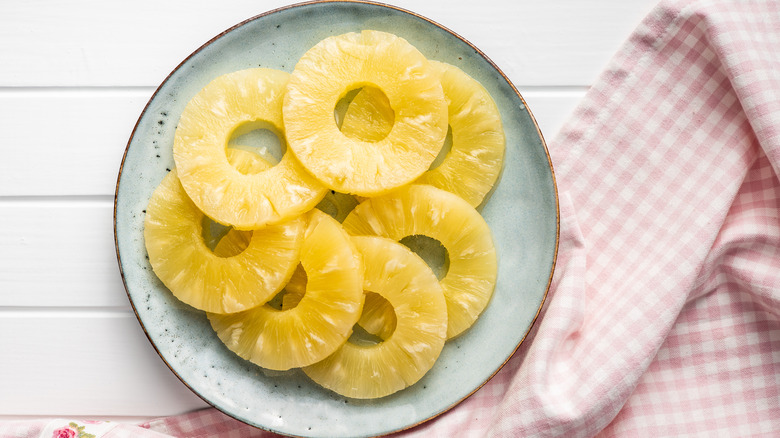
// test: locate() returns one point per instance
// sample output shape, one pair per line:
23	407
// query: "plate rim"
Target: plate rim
481	54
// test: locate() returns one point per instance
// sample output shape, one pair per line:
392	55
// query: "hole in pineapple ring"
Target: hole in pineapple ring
431	251
361	336
445	150
342	105
292	293
259	137
364	113
223	240
337	205
377	322
277	302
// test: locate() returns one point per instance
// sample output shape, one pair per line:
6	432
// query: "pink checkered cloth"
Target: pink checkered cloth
664	315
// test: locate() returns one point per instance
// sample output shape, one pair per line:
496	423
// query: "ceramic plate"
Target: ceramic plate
522	214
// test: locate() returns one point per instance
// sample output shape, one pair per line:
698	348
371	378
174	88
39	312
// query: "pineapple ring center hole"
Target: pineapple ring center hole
337	205
367	113
377	322
444	151
261	138
292	293
223	240
431	251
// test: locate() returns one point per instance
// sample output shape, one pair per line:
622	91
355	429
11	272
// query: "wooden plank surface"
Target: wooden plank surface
59	253
97	43
96	362
65	141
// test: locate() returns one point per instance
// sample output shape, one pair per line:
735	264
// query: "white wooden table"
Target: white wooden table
74	77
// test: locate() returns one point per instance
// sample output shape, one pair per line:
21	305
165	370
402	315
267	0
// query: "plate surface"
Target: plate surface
522	214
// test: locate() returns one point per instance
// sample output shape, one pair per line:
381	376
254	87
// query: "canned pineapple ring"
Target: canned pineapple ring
230	102
340	64
209	281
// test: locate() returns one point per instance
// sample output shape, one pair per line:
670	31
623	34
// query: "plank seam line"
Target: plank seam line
76	88
67	312
56	199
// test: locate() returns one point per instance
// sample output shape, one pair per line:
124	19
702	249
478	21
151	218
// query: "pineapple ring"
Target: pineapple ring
245	201
426	210
472	166
400	276
323	319
173	235
339	64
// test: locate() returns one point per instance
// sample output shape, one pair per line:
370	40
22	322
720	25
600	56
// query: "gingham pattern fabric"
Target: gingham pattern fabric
664	318
664	314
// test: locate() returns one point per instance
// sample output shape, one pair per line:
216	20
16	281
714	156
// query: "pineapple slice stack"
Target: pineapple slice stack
408	284
323	318
291	262
429	211
173	233
226	106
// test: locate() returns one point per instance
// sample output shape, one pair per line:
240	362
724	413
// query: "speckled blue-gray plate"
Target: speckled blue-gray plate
522	213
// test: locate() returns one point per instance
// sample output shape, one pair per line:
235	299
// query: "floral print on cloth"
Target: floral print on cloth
61	428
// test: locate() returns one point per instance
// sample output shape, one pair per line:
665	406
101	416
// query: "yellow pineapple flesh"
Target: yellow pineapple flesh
428	211
336	66
322	320
378	317
229	104
473	164
220	283
407	353
227	241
